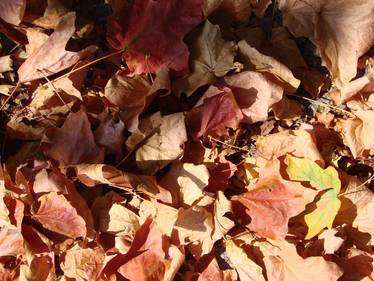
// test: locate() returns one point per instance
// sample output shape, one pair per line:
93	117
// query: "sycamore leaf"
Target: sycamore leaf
57	214
52	57
210	57
146	22
76	132
12	11
326	180
212	118
271	202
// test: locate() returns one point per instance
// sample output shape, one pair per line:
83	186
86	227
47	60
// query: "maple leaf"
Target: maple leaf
146	22
52	57
12	11
57	214
254	93
326	180
210	57
76	131
271	202
212	118
342	31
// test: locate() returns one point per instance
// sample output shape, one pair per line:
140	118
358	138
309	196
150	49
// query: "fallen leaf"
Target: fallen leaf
326	180
52	57
271	202
256	61
220	174
138	28
210	57
238	11
81	263
218	112
164	145
57	214
6	64
296	142
254	94
213	273
331	243
109	135
76	131
11	242
12	11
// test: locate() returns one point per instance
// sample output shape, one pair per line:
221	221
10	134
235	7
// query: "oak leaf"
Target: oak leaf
57	214
326	180
146	22
271	202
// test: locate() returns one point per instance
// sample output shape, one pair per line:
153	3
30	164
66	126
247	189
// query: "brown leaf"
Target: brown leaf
76	132
52	57
57	214
254	93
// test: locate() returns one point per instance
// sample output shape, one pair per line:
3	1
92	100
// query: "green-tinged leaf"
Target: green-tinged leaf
326	180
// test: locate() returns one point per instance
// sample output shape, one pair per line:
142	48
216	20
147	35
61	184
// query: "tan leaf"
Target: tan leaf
214	273
11	242
254	93
299	143
222	224
256	61
57	214
6	64
164	145
119	220
12	11
283	263
210	57
39	269
247	269
358	131
52	57
83	263
36	39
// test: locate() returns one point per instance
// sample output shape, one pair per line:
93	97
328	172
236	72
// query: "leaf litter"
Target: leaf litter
186	140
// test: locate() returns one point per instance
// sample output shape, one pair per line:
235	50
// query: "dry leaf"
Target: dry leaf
12	11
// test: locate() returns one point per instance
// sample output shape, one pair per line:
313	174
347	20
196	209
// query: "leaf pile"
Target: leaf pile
186	140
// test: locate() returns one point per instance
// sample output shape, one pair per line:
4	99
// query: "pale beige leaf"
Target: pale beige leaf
164	145
6	64
39	269
254	93
12	11
256	61
222	224
247	269
52	57
299	143
331	243
36	39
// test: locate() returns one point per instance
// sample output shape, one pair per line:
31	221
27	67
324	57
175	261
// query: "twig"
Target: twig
11	95
229	145
361	185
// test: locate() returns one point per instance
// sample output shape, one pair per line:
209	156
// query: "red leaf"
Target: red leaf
57	214
220	175
271	203
73	143
217	113
153	32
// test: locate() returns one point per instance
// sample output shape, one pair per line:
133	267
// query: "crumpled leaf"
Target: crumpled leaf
296	142
164	145
76	132
210	57
326	180
212	118
256	61
358	131
342	31
282	262
138	28
52	57
12	11
254	93
83	263
271	202
57	214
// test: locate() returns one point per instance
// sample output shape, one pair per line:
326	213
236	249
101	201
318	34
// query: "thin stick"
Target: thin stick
11	95
87	64
229	145
361	185
350	114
